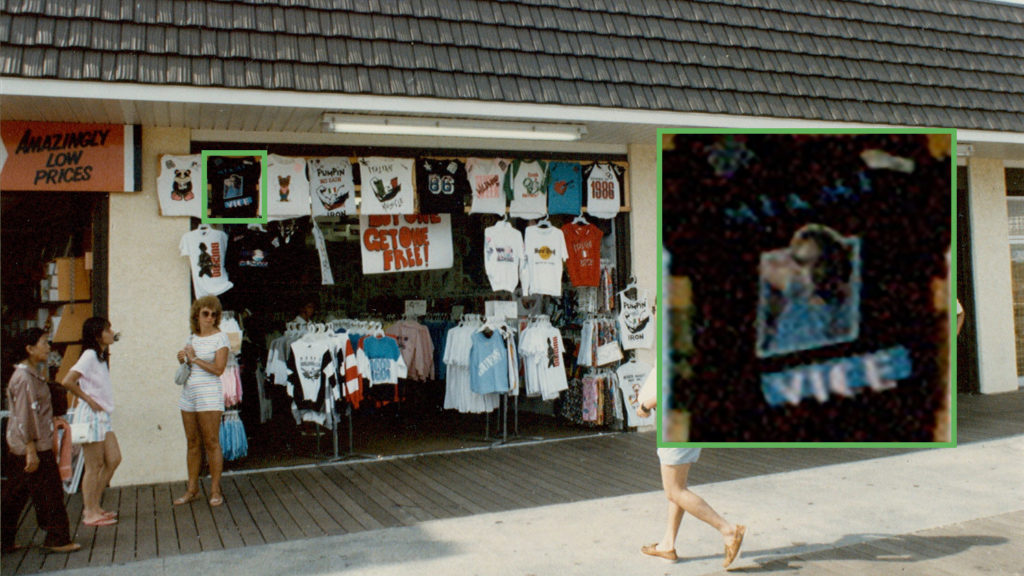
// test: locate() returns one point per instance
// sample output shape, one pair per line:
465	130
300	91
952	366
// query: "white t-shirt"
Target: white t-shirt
205	248
331	186
287	188
386	185
485	179
179	184
603	190
636	325
631	379
529	187
95	380
503	256
545	255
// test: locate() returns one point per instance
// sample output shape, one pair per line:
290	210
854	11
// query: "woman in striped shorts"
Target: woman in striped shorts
202	398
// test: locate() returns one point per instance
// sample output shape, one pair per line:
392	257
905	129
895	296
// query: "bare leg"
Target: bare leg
209	427
190	421
91	486
673	480
675	517
111	460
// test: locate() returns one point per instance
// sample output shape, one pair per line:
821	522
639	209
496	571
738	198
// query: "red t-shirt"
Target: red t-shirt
583	242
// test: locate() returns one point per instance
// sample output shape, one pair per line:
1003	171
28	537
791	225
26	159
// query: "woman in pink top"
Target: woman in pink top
89	380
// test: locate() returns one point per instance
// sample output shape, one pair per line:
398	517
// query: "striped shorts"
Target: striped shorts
100	422
202	397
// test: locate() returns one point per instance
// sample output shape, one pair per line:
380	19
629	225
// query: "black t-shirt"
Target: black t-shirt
233	184
442	185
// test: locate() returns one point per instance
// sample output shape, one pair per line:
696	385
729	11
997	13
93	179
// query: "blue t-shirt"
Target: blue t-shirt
488	364
565	188
381	352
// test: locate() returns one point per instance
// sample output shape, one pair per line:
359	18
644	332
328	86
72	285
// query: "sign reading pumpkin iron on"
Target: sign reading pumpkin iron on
68	157
410	243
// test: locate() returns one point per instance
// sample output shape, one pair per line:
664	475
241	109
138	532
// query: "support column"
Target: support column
993	288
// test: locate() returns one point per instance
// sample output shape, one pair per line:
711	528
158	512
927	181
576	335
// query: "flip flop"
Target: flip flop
188	497
216	501
732	551
110	514
101	521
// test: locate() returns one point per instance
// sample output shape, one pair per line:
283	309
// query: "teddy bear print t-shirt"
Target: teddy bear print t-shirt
178	186
287	187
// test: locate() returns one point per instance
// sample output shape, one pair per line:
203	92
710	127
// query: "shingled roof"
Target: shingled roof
910	62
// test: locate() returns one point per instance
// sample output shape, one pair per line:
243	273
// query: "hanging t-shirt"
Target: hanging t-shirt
503	256
545	253
526	188
565	188
583	242
441	185
331	186
631	379
386	185
179	184
604	189
234	186
313	361
287	187
205	248
488	364
636	325
380	360
485	177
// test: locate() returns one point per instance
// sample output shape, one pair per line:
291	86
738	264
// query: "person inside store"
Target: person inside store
202	398
959	317
305	313
33	472
675	467
89	381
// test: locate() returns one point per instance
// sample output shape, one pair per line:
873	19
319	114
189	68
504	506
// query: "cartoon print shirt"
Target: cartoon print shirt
583	242
545	254
485	177
503	256
526	188
179	184
331	186
565	188
386	186
234	186
631	379
604	189
287	187
441	185
636	325
205	248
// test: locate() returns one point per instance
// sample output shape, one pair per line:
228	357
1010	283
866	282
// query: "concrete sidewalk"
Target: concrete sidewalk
956	511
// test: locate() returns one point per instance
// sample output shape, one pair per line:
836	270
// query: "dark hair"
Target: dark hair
832	270
92	337
25	339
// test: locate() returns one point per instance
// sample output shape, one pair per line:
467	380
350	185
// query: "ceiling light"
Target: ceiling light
451	127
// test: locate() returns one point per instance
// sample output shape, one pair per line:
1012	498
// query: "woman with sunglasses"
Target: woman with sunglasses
89	380
33	467
202	398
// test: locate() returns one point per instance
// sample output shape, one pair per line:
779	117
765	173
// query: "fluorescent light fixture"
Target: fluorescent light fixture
451	127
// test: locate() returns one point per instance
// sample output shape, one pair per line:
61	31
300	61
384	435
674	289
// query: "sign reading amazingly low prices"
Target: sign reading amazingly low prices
409	243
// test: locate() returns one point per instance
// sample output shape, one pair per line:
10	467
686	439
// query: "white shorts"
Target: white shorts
100	422
678	456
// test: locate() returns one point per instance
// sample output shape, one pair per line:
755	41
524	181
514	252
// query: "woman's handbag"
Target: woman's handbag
184	371
81	431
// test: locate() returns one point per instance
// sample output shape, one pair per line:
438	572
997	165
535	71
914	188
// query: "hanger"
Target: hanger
581	219
204	226
631	285
544	222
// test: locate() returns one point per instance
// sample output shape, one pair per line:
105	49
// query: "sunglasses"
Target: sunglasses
207	313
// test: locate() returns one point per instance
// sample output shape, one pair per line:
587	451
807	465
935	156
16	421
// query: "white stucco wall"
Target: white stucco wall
993	289
646	256
149	305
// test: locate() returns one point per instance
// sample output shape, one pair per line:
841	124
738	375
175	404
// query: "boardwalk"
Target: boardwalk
294	504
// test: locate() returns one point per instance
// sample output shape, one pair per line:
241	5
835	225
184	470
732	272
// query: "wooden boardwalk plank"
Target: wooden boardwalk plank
84	535
379	508
314	482
145	524
278	512
355	510
185	526
432	502
311	502
245	526
402	506
254	503
552	492
127	525
164	511
475	497
458	478
280	482
509	495
207	532
106	536
460	505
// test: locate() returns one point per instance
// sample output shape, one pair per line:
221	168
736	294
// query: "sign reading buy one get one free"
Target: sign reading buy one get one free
408	243
60	156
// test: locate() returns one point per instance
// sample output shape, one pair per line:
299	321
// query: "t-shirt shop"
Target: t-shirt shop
457	300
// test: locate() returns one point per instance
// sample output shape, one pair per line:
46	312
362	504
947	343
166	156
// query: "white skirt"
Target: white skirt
678	456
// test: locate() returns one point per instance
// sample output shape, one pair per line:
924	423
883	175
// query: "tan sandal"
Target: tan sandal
652	550
188	497
216	501
732	551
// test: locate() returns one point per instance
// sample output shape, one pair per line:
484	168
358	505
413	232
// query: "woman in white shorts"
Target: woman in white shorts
89	380
675	467
202	398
